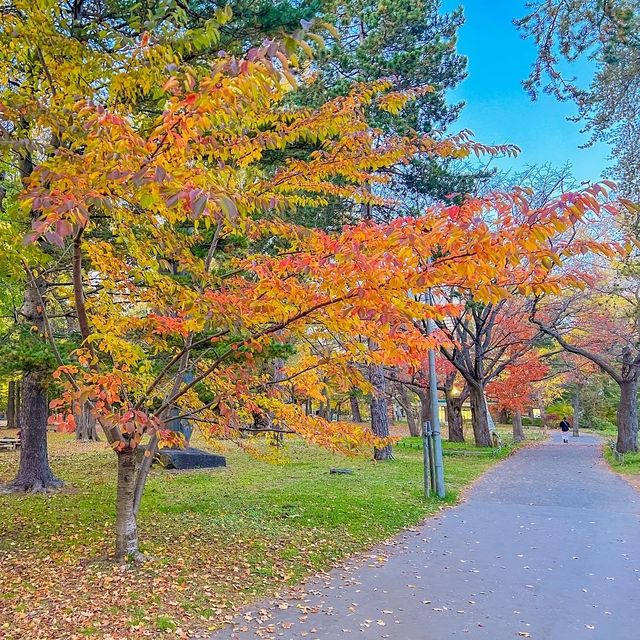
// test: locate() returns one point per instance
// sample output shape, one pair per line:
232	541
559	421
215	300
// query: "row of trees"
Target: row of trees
215	231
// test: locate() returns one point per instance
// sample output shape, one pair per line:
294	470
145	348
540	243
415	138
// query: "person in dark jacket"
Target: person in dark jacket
565	426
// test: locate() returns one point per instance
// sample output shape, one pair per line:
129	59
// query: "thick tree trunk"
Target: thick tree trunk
454	418
34	472
356	416
518	431
11	405
628	417
577	408
479	417
126	525
86	429
18	402
379	413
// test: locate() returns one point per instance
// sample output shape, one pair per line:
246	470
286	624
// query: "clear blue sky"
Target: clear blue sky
499	110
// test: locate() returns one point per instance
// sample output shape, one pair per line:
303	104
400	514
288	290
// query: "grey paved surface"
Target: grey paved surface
547	546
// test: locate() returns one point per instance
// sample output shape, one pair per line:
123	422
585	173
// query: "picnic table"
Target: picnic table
9	443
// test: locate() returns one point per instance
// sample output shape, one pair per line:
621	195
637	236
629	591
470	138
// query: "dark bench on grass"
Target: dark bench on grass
188	458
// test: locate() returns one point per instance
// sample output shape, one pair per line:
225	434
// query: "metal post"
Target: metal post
435	427
435	415
426	431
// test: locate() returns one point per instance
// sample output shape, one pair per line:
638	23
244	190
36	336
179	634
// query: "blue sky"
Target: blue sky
499	110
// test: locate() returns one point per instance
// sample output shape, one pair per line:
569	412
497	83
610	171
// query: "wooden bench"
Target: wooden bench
9	444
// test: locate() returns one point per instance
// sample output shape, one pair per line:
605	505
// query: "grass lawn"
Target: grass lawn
627	465
217	539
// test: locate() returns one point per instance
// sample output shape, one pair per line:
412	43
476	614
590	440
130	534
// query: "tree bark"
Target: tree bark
324	410
518	431
356	416
412	419
390	412
454	417
479	417
11	405
425	406
86	429
126	524
34	472
379	413
628	416
18	402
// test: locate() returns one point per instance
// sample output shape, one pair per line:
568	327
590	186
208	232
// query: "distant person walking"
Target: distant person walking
565	426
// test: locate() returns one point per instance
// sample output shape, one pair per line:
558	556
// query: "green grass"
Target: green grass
218	538
629	464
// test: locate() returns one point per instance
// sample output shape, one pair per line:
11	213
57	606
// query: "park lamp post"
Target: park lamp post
431	436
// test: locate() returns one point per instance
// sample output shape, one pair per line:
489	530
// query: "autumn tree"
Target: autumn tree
481	340
84	49
601	326
50	55
514	389
146	184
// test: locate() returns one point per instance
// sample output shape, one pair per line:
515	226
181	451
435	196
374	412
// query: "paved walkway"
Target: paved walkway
547	546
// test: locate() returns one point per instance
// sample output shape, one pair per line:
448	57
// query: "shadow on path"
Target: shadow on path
547	546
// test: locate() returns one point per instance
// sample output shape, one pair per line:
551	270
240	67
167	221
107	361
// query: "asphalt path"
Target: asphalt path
546	546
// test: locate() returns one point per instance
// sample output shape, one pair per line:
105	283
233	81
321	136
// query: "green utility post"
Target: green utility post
426	435
436	439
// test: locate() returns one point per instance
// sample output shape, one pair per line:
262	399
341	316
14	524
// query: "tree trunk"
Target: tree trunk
413	421
324	411
379	413
34	472
518	431
11	405
126	525
18	401
454	418
86	429
425	407
479	417
577	408
356	416
391	417
628	417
